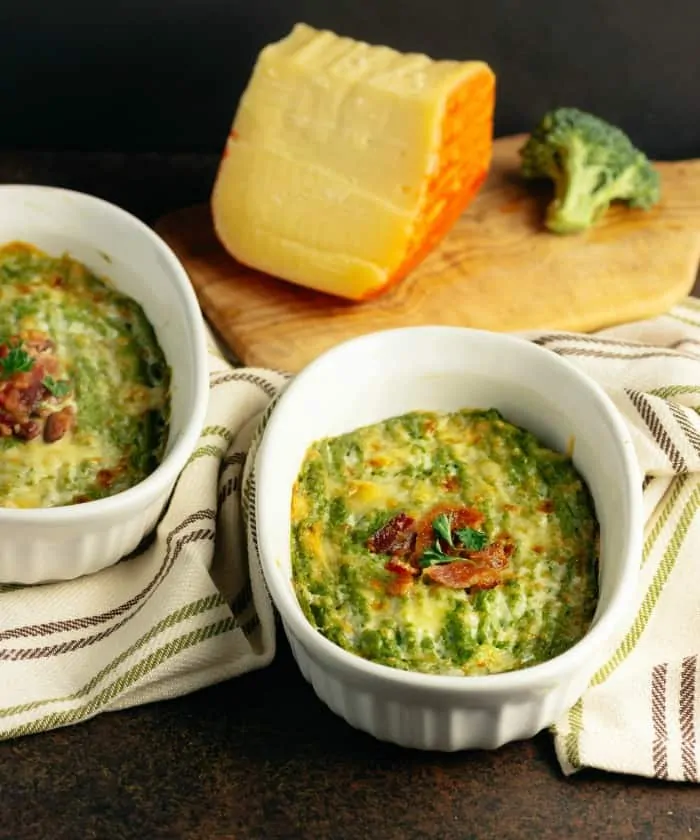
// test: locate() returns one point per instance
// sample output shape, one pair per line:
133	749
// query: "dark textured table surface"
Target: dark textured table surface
260	756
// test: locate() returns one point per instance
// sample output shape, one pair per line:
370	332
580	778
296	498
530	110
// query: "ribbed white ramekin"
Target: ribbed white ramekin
40	545
445	368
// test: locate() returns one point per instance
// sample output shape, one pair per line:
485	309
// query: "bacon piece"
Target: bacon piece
28	430
21	393
402	580
24	396
57	424
34	390
459	517
547	506
400	567
394	537
11	401
484	570
464	575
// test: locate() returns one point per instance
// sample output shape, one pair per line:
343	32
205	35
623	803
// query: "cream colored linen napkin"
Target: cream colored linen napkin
641	711
191	608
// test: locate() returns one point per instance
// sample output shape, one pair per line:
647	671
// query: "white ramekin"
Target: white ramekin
444	368
60	543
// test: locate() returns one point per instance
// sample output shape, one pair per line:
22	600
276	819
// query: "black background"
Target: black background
165	75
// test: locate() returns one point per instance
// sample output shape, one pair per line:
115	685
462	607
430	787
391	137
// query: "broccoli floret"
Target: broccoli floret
591	163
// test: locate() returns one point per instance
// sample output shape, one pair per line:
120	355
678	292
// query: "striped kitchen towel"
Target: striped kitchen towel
190	608
641	711
181	613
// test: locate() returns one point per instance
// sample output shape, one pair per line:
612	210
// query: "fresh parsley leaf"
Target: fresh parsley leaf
471	539
433	555
58	388
441	526
17	360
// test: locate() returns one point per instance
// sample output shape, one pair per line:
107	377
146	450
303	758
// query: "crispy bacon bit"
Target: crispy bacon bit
402	580
11	402
406	541
19	398
547	506
464	575
395	537
510	507
25	399
27	431
484	569
57	424
400	567
538	549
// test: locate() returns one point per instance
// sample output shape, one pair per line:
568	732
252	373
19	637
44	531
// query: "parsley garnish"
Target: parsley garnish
58	388
441	526
433	555
16	361
471	539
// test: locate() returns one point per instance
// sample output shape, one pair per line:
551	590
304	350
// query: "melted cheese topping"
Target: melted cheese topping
39	471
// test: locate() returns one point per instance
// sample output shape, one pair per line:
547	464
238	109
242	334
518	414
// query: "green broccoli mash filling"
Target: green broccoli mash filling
112	378
527	497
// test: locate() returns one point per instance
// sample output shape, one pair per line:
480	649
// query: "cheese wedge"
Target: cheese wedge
347	163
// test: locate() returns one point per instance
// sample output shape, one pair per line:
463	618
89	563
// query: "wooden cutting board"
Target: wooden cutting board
498	269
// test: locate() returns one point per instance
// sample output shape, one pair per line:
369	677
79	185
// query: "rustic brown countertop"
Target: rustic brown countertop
259	757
